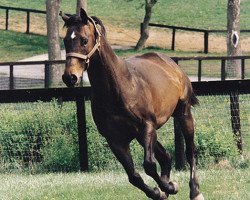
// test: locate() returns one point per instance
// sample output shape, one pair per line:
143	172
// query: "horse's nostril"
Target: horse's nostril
64	78
73	79
69	80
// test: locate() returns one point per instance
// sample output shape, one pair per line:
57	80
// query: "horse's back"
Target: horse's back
160	71
164	83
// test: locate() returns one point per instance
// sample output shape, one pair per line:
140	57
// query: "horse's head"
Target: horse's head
81	41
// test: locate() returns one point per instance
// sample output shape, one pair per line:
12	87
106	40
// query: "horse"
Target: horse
131	99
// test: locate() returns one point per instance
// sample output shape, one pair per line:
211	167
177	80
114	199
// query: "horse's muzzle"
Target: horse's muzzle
69	80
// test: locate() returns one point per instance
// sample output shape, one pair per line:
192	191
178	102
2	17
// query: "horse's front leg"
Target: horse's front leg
122	153
164	159
149	142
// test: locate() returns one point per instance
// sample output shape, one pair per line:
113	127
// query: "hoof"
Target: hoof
198	197
175	187
161	195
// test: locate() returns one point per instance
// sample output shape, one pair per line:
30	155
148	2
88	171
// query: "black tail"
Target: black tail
194	100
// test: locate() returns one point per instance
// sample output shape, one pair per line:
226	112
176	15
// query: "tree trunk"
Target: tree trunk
144	27
81	4
54	50
233	38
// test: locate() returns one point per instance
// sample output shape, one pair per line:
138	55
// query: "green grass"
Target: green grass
215	184
209	14
15	46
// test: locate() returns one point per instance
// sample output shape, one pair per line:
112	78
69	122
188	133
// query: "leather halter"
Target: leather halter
86	57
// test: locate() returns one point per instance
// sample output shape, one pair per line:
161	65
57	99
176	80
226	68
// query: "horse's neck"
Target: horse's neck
109	74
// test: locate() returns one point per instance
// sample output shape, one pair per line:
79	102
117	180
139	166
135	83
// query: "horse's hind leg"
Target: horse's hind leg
122	153
187	126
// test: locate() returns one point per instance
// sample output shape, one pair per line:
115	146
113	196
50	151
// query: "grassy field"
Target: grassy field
16	46
234	185
216	183
211	14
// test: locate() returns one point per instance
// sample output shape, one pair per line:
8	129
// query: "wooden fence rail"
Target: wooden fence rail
200	61
204	31
80	95
223	60
174	28
28	11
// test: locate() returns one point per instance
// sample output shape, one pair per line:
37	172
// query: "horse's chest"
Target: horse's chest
115	124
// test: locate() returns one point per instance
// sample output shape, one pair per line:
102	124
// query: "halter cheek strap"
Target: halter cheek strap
86	58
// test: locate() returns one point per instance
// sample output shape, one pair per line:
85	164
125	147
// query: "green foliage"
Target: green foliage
214	137
43	137
38	133
60	154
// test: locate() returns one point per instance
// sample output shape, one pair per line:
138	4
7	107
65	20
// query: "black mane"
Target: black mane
99	22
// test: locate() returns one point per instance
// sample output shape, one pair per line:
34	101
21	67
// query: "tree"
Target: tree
54	50
144	27
81	4
233	37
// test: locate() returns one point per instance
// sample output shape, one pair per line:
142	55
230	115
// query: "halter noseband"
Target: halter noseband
97	45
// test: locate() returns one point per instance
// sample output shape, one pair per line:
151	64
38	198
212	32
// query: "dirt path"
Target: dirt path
184	41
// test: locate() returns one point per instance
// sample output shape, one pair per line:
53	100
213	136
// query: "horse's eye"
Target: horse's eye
84	41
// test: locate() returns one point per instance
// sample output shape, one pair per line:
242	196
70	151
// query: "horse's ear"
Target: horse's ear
84	16
64	17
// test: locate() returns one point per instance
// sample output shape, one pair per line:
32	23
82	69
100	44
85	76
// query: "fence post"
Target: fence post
180	160
235	119
11	86
223	70
242	69
7	20
173	39
28	22
46	75
199	70
82	136
206	34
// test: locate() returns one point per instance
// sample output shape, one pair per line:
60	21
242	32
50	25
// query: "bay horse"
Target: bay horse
131	99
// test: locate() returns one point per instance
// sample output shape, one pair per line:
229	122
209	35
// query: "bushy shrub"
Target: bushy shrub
213	146
213	133
29	132
60	154
43	136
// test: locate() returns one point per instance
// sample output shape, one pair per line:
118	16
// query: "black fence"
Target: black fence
173	28
204	31
8	79
222	60
28	12
231	88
